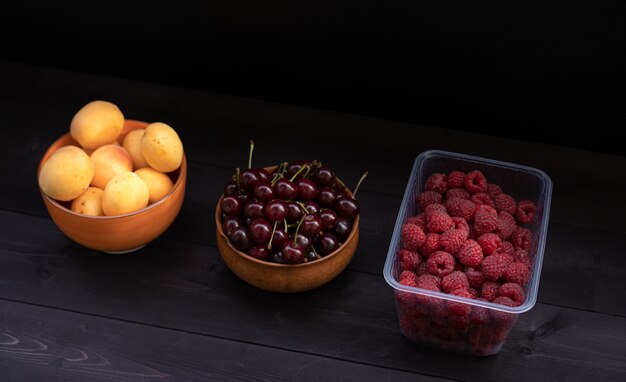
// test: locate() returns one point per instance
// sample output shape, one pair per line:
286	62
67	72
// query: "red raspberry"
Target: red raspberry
506	248
512	291
475	277
410	276
479	316
522	256
505	203
470	254
452	240
453	281
456	179
422	268
409	260
460	308
436	182
482	198
406	299
517	272
474	293
412	237
431	244
440	264
432	208
489	242
460	193
419	220
503	300
475	182
461	224
506	224
485	219
489	290
493	190
430	282
525	211
428	197
521	238
493	266
439	222
461	208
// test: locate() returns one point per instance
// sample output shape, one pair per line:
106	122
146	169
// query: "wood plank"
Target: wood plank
187	287
68	346
215	129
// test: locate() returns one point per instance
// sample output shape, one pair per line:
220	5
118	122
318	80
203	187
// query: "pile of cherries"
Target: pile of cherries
297	213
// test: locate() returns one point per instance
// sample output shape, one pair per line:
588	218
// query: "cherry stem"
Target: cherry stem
306	212
295	236
308	169
269	245
299	171
276	178
250	155
314	251
286	225
359	184
237	172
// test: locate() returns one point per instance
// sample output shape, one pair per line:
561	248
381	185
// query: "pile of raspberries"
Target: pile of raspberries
469	240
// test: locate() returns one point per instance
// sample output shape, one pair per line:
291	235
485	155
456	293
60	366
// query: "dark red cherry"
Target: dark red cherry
294	167
307	190
343	228
326	197
329	220
264	176
295	212
261	231
285	189
312	207
240	239
243	197
280	237
254	209
311	225
259	251
324	176
231	223
347	207
312	256
264	191
230	188
292	253
277	257
275	210
327	244
249	179
303	241
231	205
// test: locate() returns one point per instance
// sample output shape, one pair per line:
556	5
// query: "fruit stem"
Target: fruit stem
298	172
316	254
282	172
276	178
359	184
295	236
250	155
308	169
237	172
286	225
269	245
306	212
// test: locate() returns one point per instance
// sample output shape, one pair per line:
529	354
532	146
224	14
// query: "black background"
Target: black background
550	71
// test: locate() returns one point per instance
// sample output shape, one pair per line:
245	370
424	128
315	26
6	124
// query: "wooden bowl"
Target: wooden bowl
120	233
285	278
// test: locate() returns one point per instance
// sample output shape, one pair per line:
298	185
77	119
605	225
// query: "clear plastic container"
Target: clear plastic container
455	323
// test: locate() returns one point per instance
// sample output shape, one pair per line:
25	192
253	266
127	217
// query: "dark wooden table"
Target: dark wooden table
173	311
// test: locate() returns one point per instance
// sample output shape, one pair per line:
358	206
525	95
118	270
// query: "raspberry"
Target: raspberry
474	293
470	254
505	203
475	182
461	208
506	248
436	182
482	198
489	242
460	193
525	211
431	244
493	190
440	264
456	179
513	291
489	290
428	197
474	277
439	222
493	266
521	238
453	281
432	208
406	299
505	225
452	240
460	308
522	256
485	219
479	316
422	268
461	224
409	276
430	282
419	220
409	260
412	237
517	272
503	300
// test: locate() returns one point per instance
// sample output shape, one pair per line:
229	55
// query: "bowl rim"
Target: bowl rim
220	231
137	125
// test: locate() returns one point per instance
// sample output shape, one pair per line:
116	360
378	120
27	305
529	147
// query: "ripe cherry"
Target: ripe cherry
311	225
254	209
259	251
328	218
240	239
285	189
307	190
275	210
324	176
230	224
327	244
347	207
264	191
326	197
231	205
261	231
343	228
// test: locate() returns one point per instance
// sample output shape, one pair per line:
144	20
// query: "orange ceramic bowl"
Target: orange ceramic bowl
285	278
121	233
